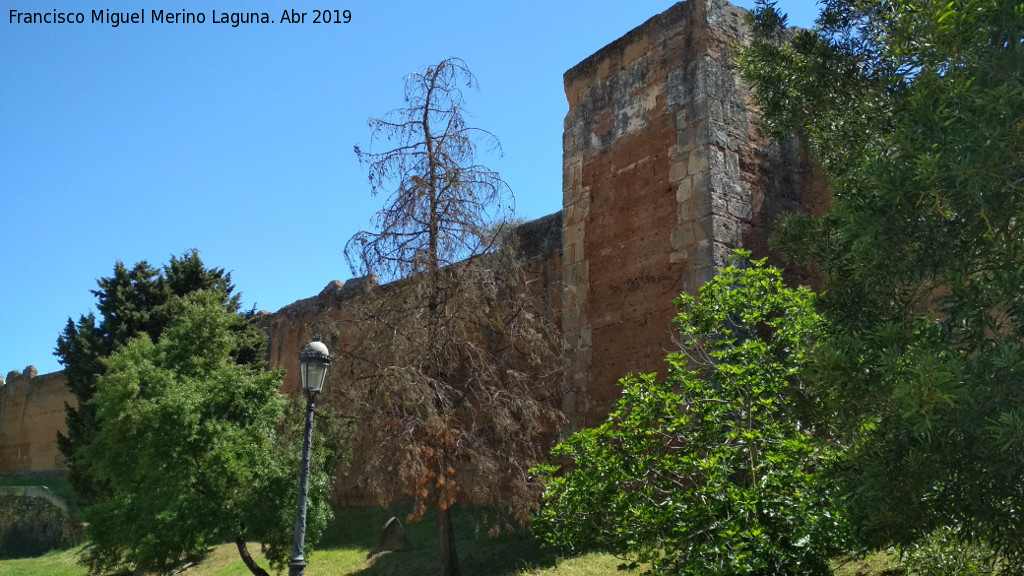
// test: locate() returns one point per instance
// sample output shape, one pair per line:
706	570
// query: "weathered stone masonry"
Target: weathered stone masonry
664	173
31	413
330	312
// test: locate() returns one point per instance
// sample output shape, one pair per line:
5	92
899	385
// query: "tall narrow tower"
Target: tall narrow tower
664	173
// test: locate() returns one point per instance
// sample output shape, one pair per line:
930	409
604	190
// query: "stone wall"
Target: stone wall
329	313
31	414
664	174
33	522
332	316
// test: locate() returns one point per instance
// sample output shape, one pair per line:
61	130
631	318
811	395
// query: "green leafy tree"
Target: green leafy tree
710	471
915	110
188	447
131	302
455	366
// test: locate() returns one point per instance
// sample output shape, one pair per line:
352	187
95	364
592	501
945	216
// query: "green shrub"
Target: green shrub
945	552
710	471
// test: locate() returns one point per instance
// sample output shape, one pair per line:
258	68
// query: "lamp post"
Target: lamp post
313	362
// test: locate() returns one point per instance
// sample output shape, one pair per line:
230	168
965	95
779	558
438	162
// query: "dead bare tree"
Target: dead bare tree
456	370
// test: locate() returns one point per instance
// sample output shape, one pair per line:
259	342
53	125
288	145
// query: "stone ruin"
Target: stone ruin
664	173
31	413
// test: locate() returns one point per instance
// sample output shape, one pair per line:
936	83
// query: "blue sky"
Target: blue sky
146	140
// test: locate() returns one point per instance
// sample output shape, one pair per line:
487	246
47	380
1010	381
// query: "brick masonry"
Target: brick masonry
664	173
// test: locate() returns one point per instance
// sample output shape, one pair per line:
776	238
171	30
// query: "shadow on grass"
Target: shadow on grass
478	554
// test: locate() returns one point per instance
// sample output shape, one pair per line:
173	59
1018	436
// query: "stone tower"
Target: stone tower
664	173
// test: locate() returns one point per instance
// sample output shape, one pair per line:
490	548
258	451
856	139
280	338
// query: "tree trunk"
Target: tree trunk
446	541
243	551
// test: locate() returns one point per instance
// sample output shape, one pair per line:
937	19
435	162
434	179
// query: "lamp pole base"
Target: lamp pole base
297	567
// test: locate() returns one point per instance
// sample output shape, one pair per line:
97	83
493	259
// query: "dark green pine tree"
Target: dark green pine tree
131	302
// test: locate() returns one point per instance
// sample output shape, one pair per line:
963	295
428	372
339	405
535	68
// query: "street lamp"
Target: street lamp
313	362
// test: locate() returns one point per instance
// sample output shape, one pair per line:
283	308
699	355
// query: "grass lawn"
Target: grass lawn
354	532
59	563
223	561
344	550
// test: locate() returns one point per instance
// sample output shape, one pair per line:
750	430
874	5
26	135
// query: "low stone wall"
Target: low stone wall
33	521
37	492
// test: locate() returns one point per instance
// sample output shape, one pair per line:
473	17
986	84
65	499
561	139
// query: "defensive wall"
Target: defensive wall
664	173
31	413
330	313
